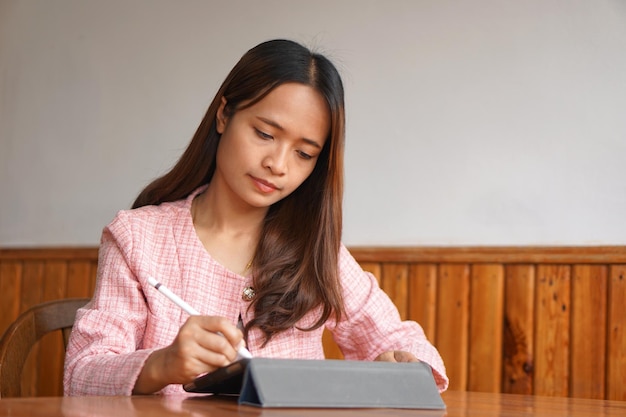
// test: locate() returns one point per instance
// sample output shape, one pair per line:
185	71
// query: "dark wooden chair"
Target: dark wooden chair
25	331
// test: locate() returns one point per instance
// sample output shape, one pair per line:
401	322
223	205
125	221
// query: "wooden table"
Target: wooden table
458	404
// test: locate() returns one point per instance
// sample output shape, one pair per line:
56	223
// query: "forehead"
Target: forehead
300	110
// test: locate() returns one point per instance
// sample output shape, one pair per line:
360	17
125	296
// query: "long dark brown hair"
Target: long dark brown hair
295	267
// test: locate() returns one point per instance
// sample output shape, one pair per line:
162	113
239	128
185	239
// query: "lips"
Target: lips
264	186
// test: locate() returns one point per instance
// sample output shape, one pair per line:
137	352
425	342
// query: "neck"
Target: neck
213	211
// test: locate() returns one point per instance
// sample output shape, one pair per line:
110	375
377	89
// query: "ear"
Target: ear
221	118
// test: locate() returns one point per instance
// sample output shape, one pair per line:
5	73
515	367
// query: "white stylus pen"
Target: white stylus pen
242	352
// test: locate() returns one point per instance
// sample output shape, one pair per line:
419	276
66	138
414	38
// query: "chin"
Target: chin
262	203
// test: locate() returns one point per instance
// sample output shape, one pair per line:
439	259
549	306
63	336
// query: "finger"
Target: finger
386	357
216	344
207	361
193	339
186	364
402	356
196	351
222	326
205	328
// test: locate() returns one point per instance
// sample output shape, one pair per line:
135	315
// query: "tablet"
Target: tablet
225	380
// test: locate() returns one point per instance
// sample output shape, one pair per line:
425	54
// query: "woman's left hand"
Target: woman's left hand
396	356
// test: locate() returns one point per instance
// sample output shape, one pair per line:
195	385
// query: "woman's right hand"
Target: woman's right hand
197	349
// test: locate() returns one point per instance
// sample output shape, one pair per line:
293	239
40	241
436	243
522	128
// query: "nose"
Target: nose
276	160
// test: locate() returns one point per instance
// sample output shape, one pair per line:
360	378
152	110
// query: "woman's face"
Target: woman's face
268	149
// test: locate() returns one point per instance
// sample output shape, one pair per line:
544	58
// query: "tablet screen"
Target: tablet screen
225	380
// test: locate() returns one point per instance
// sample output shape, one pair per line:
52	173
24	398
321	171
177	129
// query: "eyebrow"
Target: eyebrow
279	127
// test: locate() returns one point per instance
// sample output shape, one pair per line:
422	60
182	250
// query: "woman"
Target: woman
246	228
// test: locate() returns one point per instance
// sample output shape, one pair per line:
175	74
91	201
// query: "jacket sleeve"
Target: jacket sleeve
103	355
372	324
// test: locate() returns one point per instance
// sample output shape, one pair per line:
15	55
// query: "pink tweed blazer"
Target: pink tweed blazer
127	319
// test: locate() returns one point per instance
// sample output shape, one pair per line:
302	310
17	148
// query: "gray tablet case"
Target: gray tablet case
339	384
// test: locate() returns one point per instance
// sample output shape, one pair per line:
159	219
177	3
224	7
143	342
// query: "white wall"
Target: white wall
482	122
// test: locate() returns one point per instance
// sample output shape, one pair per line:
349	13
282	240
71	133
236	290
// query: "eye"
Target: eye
305	155
263	135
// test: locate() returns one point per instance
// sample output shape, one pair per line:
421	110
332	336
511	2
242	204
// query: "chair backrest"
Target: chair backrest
25	331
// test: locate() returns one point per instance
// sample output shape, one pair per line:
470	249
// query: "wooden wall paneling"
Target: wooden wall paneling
331	349
32	279
395	282
616	337
552	342
543	315
373	267
422	302
54	280
588	331
486	254
10	292
93	277
79	279
518	329
485	332
452	321
32	282
51	348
